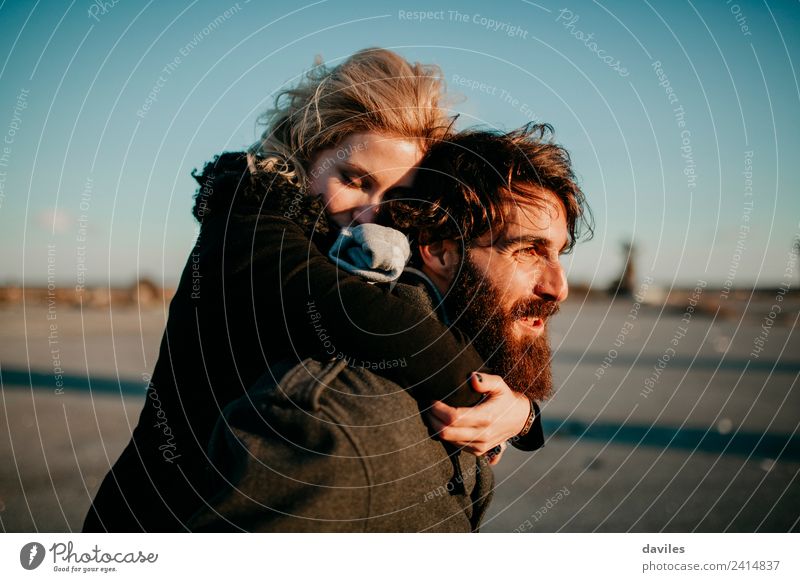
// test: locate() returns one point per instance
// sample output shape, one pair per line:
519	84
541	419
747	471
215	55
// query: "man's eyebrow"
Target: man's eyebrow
531	240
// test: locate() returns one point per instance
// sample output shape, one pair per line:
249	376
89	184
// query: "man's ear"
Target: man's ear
441	261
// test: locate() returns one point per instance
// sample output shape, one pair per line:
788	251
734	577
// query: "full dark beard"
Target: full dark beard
475	304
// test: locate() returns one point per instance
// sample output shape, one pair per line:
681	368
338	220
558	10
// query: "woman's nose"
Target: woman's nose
367	211
365	214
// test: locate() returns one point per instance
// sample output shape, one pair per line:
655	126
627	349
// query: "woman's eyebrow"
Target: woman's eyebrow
360	171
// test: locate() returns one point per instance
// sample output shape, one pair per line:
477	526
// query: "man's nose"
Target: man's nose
552	283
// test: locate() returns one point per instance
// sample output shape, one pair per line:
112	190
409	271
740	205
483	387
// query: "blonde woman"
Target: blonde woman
258	287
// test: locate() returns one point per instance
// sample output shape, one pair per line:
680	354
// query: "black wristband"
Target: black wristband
533	438
529	422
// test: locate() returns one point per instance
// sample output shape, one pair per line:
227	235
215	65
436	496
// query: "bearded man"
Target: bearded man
491	215
320	445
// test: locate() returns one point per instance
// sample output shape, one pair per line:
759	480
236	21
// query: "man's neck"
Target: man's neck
436	280
436	293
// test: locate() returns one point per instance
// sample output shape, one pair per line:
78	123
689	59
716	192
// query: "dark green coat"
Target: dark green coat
240	307
333	447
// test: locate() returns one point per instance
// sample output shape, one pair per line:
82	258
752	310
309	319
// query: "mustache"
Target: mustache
535	308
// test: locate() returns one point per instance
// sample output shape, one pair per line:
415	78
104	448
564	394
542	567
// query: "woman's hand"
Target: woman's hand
480	428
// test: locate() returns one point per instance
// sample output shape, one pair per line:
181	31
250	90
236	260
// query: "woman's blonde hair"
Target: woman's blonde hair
373	90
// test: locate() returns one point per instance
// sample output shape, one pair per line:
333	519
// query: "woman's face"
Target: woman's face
354	176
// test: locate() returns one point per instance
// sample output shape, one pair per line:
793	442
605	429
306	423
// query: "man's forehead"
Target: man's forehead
542	218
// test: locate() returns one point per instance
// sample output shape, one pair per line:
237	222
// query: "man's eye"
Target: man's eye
537	252
531	251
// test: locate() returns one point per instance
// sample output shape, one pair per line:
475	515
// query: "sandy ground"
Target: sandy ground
710	445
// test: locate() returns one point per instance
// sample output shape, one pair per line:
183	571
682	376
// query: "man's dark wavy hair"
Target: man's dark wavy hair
467	184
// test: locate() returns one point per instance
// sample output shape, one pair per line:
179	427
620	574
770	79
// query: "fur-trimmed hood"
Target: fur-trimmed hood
226	184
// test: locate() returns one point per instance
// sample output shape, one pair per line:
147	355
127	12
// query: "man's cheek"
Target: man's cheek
517	290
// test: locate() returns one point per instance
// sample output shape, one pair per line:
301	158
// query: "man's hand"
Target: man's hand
480	428
496	453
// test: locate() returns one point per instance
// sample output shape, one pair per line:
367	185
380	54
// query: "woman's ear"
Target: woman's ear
441	261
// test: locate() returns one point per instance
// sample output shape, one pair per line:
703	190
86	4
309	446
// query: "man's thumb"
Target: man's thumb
482	384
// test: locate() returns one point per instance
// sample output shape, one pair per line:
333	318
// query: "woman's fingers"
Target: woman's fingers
464	437
470	439
479	428
459	417
445	413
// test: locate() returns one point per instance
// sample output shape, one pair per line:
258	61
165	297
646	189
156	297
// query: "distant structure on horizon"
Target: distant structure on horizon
624	285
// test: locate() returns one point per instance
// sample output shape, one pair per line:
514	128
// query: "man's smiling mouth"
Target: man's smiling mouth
534	323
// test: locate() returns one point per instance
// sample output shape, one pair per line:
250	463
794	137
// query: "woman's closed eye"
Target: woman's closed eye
354	181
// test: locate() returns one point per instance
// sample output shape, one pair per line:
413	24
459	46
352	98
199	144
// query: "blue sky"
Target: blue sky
104	186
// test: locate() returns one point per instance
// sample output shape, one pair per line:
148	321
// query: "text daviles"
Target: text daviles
665	549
